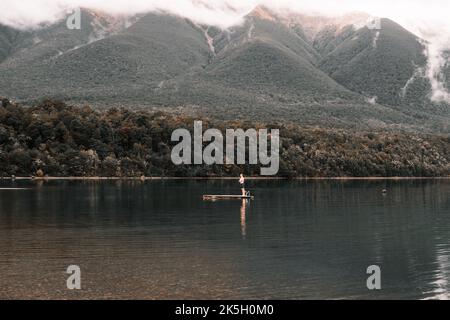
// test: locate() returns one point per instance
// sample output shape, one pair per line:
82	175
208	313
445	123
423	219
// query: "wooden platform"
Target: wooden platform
225	196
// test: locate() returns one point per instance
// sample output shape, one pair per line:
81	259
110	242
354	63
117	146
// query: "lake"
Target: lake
160	240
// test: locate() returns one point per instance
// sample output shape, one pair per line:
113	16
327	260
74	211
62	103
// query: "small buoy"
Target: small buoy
384	191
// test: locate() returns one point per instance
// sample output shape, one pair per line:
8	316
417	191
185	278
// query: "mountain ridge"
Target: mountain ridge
269	66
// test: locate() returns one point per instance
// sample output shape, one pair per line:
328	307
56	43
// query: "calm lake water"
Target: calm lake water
159	240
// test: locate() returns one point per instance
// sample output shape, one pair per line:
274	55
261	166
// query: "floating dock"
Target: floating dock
225	196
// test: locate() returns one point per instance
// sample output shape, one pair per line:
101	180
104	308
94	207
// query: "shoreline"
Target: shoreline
216	178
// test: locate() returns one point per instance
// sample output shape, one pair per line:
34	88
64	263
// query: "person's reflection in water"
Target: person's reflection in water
243	218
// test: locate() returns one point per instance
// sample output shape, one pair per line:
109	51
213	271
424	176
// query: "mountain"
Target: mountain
269	59
87	64
324	71
47	61
48	42
10	41
376	63
264	69
7	36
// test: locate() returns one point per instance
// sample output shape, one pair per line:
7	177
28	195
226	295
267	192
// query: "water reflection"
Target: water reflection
159	239
243	218
439	282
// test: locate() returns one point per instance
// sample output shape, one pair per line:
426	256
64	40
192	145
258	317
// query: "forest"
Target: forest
57	140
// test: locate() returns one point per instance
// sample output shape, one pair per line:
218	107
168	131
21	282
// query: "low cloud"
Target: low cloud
29	13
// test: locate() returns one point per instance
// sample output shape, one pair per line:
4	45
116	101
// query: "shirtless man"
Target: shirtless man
242	184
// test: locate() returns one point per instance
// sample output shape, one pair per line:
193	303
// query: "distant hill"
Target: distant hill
331	72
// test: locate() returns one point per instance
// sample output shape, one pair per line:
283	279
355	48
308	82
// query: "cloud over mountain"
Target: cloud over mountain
411	13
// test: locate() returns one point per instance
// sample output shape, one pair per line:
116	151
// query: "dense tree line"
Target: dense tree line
54	139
